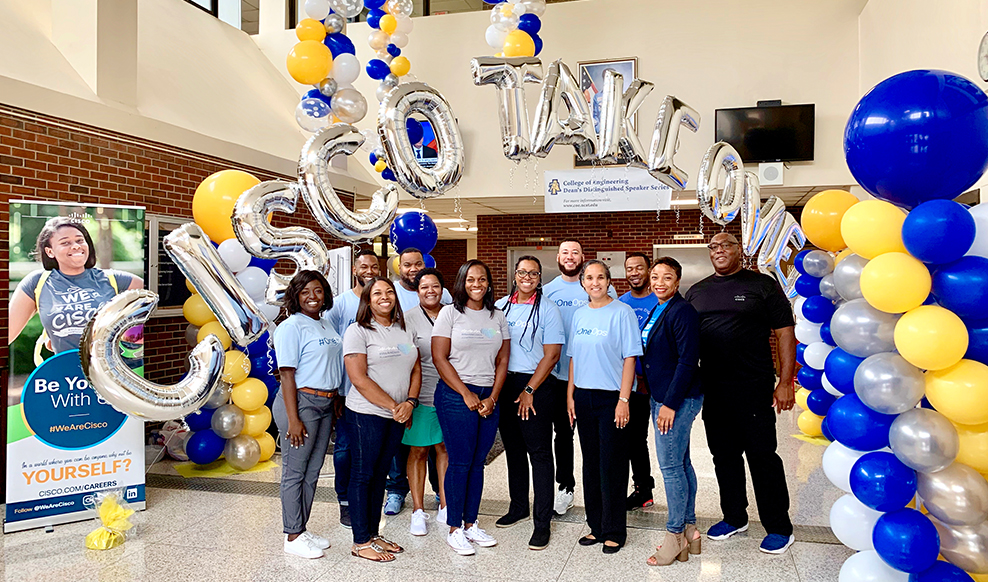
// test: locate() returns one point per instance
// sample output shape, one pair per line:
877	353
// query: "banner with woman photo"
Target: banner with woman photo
64	443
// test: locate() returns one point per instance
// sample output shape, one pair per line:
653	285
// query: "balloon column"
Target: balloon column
514	29
390	23
890	342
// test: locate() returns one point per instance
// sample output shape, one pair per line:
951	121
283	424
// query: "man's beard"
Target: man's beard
569	272
408	283
639	289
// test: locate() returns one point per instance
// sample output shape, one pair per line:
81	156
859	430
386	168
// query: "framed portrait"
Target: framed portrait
591	75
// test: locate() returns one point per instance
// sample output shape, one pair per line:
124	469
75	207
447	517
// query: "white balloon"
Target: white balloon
234	255
404	24
837	463
830	387
853	522
808	333
797	306
317	9
980	246
495	37
378	40
399	39
270	311
869	567
346	69
816	354
254	280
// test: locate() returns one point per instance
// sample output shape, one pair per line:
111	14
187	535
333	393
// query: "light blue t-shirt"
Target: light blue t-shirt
314	348
602	339
641	306
410	299
568	297
343	313
526	351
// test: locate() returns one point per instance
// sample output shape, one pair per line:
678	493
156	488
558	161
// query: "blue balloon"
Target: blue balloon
538	43
378	69
373	158
393	50
375	4
388	174
825	429
946	113
258	346
882	482
529	23
430	262
819	401
977	344
316	94
858	427
263	365
204	447
200	421
825	334
374	19
906	540
941	572
840	367
962	287
339	44
414	129
924	403
414	230
809	378
797	261
938	231
807	286
263	264
800	358
817	309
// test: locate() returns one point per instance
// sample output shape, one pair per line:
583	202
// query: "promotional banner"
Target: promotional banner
64	443
604	190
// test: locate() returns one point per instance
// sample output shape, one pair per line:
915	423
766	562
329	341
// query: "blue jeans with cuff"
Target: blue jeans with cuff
673	452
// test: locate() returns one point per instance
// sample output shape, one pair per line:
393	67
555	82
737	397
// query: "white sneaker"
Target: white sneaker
317	540
418	527
564	501
441	515
303	547
479	537
458	541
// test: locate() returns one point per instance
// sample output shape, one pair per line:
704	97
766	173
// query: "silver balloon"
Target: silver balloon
828	289
861	330
226	297
561	88
401	8
411	175
536	7
323	201
391	80
349	105
242	452
192	335
335	23
957	495
328	86
382	92
673	115
220	396
508	75
115	382
847	276
720	206
818	264
785	238
228	421
964	546
924	440
758	220
887	383
617	139
347	8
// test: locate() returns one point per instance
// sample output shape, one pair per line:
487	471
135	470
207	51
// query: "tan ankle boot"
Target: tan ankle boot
692	536
674	547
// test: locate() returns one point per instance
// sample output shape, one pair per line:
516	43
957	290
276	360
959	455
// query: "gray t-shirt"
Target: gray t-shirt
391	356
421	327
475	338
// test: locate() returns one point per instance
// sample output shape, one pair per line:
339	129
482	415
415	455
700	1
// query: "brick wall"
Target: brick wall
449	255
47	158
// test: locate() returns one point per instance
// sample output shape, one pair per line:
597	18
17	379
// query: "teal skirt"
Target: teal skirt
425	430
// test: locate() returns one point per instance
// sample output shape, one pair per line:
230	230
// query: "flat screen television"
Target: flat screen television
781	133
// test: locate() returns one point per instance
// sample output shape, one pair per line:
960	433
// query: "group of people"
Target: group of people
420	380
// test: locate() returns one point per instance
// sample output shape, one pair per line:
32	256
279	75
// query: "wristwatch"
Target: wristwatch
622	399
414	401
529	390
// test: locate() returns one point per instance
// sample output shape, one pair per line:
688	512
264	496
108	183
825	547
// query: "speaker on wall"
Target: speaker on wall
770	174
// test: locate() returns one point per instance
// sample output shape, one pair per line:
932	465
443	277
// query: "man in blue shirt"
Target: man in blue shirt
642	301
410	262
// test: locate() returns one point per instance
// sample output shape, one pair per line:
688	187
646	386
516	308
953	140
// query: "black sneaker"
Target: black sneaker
345	516
540	539
510	519
639	498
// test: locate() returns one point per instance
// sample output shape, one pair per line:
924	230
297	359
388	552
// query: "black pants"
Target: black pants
528	441
563	444
605	464
739	428
373	443
640	407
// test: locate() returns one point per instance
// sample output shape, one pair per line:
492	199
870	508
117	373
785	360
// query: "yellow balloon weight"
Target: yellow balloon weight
213	202
250	394
895	282
217	329
873	227
388	24
960	392
821	218
801	395
931	337
810	424
267	446
197	312
400	66
519	44
974	446
380	166
310	29
191	287
256	421
309	62
235	367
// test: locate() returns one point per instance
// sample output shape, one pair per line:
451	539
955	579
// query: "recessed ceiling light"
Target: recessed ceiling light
448	220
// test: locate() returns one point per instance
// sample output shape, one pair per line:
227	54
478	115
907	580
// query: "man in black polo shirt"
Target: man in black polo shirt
739	311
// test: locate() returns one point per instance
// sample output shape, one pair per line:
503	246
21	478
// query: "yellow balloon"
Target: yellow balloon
519	44
960	392
810	423
235	367
267	446
190	287
895	282
821	218
212	204
197	312
843	255
217	329
974	446
400	66
873	227
394	263
250	394
978	577
380	166
801	395
309	62
310	29
931	337
388	24
256	421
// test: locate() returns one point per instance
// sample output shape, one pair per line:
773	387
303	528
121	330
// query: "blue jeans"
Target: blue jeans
341	460
374	441
468	439
673	452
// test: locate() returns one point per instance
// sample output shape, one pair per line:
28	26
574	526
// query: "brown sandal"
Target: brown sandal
387	545
674	548
381	555
692	536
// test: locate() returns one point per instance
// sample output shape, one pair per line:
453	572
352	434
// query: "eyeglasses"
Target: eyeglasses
714	247
528	274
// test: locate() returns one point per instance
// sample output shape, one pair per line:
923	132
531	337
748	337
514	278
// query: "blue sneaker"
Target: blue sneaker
776	543
394	503
723	530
